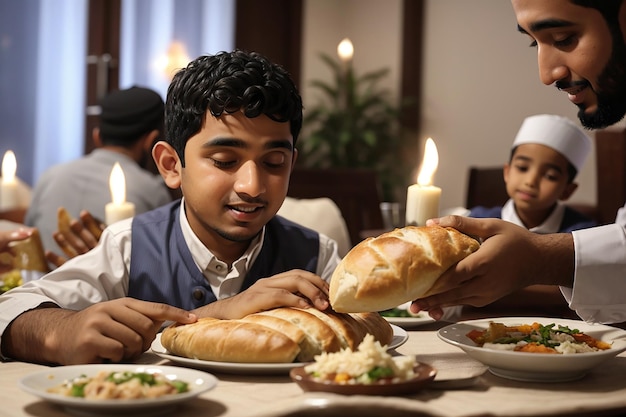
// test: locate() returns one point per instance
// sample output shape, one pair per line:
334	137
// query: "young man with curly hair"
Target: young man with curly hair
232	121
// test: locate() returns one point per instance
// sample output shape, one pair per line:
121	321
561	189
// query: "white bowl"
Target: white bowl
536	367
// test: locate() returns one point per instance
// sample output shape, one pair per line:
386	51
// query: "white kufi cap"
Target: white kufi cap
557	132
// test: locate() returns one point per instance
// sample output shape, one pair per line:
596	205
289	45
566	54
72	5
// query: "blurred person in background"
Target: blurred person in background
130	123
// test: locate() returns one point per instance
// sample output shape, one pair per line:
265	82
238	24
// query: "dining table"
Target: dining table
462	387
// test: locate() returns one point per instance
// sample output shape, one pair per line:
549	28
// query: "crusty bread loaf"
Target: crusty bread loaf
322	338
349	332
307	351
376	325
254	338
229	341
399	266
28	254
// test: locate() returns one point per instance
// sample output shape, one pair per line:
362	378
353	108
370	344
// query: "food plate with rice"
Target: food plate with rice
536	367
369	370
46	384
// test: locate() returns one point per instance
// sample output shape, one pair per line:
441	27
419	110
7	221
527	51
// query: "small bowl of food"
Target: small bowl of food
370	370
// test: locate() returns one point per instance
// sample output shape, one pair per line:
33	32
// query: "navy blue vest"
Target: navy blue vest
572	219
162	268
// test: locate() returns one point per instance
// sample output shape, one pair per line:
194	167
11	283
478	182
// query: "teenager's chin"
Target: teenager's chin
238	235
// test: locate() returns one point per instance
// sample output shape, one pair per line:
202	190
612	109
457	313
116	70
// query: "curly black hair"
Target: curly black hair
228	82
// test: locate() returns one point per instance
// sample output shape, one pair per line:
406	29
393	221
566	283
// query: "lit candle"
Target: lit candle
9	198
118	209
345	50
422	201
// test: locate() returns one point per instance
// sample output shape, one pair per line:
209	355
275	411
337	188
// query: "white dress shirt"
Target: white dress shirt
599	292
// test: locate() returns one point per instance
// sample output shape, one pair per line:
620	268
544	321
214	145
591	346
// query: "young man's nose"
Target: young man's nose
249	180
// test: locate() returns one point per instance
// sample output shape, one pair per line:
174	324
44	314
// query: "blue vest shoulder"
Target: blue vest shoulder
575	220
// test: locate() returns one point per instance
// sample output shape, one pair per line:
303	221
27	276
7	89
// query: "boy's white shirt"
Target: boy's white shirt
549	225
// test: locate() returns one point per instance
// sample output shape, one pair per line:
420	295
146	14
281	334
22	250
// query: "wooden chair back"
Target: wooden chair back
485	187
356	192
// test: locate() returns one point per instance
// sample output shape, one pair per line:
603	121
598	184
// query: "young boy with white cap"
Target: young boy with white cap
547	154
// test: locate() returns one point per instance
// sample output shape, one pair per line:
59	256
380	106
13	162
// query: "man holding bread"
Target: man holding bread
232	121
581	49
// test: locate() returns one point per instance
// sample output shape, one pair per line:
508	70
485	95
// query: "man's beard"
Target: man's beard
611	91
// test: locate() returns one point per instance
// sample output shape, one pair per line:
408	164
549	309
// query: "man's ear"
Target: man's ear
568	191
95	136
168	163
150	140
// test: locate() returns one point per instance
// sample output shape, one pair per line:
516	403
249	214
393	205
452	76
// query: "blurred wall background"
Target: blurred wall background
479	77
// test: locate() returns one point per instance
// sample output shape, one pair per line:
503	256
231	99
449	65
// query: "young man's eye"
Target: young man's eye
223	164
276	160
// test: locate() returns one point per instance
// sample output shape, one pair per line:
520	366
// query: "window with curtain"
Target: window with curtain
160	36
42	70
41	82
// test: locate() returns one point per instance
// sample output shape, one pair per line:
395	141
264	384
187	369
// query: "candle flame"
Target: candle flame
9	167
345	50
429	163
117	184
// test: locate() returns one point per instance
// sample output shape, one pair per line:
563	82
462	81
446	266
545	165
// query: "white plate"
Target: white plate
400	336
38	384
536	367
410	322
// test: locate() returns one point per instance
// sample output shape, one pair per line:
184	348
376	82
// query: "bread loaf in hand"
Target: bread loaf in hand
28	254
399	266
278	335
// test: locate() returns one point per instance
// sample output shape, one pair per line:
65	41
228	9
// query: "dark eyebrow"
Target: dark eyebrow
545	24
238	143
229	142
281	143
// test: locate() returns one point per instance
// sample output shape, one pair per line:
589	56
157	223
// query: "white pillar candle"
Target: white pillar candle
9	197
118	209
422	200
422	203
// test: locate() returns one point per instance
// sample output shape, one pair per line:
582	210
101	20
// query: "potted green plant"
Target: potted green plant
356	125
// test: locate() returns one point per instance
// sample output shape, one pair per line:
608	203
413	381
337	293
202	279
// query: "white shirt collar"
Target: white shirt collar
549	225
215	270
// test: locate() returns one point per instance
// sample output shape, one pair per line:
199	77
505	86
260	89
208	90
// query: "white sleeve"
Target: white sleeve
599	292
328	257
99	275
